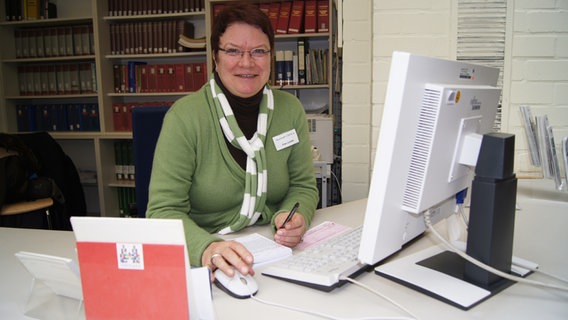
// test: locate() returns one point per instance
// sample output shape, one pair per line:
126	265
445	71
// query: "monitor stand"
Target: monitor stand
448	276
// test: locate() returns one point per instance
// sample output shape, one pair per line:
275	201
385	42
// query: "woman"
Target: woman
235	153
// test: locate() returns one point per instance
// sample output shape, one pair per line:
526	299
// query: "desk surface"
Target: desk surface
540	236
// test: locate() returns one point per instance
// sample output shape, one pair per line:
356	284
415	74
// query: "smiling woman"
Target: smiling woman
235	153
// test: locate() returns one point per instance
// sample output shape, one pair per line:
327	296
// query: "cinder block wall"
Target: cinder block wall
536	69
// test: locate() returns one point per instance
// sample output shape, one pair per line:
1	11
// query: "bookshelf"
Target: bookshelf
92	148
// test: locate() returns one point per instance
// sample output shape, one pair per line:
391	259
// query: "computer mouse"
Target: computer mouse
238	286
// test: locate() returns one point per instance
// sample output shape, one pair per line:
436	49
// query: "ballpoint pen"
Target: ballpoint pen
291	214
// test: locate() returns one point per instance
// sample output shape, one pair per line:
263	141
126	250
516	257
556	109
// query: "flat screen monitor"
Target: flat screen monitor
435	114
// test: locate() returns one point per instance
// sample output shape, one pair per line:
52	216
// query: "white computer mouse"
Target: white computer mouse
238	286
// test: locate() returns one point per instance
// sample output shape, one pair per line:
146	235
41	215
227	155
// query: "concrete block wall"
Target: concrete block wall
536	69
537	72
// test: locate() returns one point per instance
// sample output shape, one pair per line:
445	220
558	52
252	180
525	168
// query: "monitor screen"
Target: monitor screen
435	114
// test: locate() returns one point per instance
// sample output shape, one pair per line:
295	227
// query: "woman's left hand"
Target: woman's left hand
290	234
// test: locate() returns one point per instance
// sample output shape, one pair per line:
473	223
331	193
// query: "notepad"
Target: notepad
264	250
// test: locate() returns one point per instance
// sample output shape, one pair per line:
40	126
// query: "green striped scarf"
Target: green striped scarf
254	197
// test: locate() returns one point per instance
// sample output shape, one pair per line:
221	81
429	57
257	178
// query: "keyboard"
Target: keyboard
322	265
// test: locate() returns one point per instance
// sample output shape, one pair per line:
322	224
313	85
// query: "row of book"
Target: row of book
58	117
149	37
293	17
141	77
295	68
122	113
123	160
124	171
17	10
127	202
54	41
145	7
57	79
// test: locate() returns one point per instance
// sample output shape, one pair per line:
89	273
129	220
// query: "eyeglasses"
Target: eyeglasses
254	53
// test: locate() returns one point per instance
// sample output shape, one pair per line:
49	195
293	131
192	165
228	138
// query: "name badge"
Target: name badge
286	139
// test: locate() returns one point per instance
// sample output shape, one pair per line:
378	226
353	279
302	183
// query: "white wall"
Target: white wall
536	68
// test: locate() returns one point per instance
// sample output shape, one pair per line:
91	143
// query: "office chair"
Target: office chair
27	207
66	195
146	127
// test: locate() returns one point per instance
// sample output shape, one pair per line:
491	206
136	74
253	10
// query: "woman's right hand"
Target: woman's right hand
226	255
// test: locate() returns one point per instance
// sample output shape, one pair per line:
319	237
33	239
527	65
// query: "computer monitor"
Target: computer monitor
435	115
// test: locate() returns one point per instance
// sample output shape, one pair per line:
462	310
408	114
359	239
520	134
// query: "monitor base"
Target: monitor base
440	274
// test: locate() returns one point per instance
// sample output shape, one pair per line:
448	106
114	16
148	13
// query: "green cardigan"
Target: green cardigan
195	178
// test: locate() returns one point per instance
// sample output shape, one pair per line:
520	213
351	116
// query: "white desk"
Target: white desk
540	236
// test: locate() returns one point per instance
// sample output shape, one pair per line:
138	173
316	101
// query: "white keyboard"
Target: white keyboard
321	266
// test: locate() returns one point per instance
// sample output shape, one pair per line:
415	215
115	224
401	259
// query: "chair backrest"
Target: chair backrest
146	127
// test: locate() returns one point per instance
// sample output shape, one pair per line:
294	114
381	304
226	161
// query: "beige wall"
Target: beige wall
536	69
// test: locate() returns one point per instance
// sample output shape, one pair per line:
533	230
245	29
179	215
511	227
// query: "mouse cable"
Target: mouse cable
483	265
321	315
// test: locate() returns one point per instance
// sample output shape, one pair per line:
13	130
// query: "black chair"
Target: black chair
56	165
146	126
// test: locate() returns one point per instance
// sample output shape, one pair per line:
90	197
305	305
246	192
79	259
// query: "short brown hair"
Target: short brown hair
239	12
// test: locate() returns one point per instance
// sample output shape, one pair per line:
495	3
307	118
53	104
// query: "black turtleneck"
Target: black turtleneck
246	113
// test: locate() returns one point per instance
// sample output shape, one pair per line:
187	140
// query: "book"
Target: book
199	74
296	17
288	67
279	70
283	17
191	43
85	36
133	67
69	47
273	13
302	49
323	16
264	250
310	16
188	77
77	41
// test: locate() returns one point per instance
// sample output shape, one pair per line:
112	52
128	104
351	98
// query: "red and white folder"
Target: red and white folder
138	269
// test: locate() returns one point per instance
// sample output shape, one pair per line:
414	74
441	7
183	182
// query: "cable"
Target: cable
538	270
338	185
483	265
321	315
382	296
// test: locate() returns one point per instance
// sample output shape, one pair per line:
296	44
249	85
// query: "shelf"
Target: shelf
154	16
51	97
46	22
75	135
158	56
51	59
124	184
148	94
322	35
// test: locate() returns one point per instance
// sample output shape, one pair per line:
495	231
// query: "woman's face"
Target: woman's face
243	76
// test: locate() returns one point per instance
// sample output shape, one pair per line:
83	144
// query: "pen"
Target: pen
291	214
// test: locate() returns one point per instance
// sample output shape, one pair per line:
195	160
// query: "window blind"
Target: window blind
481	36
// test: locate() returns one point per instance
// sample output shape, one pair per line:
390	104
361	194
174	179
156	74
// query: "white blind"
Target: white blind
481	35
